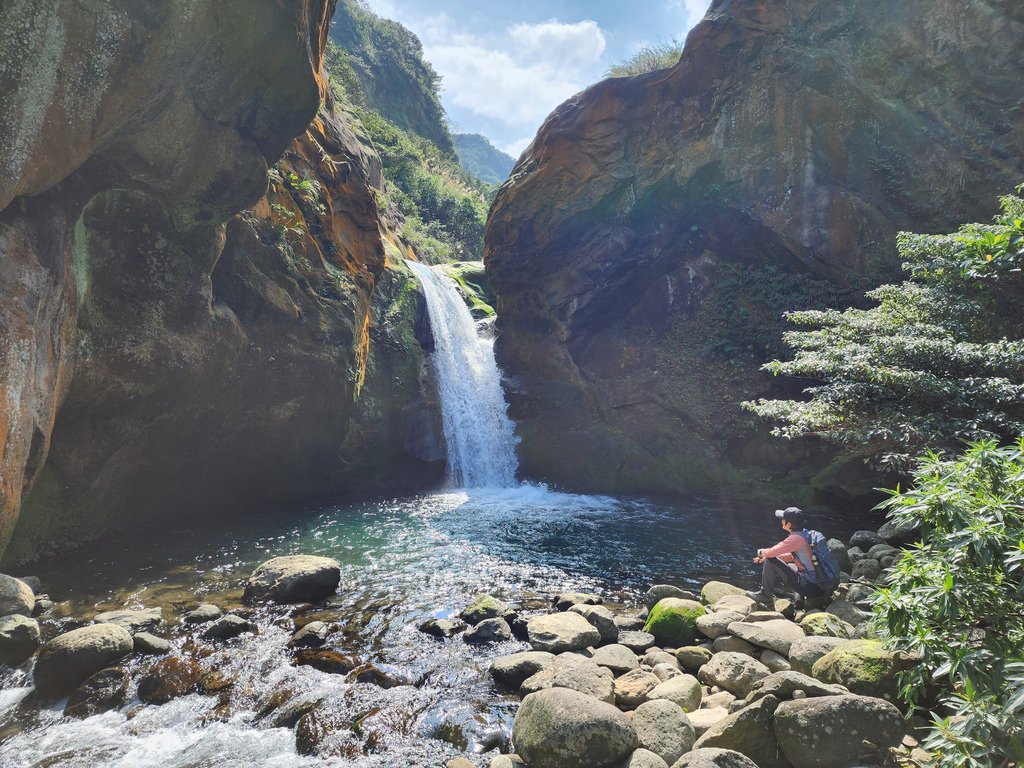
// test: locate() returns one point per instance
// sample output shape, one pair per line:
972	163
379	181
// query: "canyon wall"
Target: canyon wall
178	338
650	238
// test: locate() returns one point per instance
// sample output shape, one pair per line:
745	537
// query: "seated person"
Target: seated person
789	564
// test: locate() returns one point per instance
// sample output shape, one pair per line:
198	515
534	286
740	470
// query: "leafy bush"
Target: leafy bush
648	59
939	360
957	600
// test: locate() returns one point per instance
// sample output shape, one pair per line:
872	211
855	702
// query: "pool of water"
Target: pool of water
403	561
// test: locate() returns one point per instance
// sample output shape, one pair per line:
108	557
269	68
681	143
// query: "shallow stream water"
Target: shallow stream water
403	561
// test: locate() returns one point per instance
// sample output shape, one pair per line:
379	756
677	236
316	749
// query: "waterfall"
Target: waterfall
480	436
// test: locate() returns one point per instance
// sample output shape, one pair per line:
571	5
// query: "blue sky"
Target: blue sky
506	66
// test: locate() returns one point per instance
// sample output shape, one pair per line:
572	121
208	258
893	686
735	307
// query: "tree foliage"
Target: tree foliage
956	599
648	59
939	360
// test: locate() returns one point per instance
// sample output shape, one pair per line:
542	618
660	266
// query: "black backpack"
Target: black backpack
826	567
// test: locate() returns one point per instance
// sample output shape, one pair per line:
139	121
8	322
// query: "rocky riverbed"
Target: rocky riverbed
285	663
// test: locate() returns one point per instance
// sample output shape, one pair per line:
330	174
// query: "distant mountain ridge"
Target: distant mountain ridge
482	159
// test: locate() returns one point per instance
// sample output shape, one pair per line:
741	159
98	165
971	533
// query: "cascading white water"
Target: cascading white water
480	436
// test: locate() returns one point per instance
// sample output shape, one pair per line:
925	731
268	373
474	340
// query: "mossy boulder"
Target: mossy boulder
826	625
714	591
866	667
673	621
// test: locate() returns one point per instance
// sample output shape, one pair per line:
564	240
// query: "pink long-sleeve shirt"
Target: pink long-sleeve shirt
784	550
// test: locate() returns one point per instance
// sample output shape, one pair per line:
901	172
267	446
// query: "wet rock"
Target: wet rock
703	719
638	642
664	729
442	627
520	628
673	621
783	685
776	634
567	600
488	631
19	639
829	732
325	660
511	671
644	758
101	692
483	608
67	660
215	681
312	635
825	625
312	729
168	679
750	733
684	691
618	658
804	652
204	614
148	644
660	591
226	627
714	758
732	644
714	591
632	688
558	632
559	728
294	579
735	672
133	620
601	619
372	675
43	604
714	625
576	673
16	597
865	540
288	713
692	657
776	662
866	667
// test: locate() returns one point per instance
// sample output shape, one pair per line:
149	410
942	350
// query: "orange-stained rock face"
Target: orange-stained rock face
651	236
162	354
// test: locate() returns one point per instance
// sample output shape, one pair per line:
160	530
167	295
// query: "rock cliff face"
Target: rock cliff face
176	338
657	227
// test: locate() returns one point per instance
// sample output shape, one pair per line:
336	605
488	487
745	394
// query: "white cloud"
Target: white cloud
694	9
564	46
515	148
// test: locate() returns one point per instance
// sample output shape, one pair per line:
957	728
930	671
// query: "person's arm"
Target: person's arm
784	549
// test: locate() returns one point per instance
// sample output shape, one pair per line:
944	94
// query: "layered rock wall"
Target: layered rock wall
176	338
651	236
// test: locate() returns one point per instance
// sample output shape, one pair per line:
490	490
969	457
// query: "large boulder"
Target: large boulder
664	729
829	732
68	659
485	607
807	650
294	579
848	612
19	639
488	631
714	625
714	591
632	688
574	672
511	671
673	621
749	732
559	728
16	597
559	632
168	679
782	685
826	625
712	757
866	667
141	620
618	658
899	532
841	555
636	641
682	690
601	619
101	692
660	591
776	634
735	672
567	600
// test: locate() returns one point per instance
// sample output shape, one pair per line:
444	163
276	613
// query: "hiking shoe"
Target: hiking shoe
761	598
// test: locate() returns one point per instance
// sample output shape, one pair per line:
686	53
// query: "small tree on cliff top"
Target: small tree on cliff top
939	361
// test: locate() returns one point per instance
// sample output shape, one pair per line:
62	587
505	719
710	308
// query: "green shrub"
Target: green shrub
957	600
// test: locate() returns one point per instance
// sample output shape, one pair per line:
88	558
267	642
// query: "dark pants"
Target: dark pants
776	573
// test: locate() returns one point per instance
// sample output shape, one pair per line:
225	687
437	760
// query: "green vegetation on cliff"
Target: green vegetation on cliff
955	600
482	159
938	361
648	59
376	67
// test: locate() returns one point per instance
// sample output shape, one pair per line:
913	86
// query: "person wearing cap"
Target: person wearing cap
783	563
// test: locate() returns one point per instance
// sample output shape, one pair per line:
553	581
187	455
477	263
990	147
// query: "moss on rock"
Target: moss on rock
673	621
826	625
866	667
